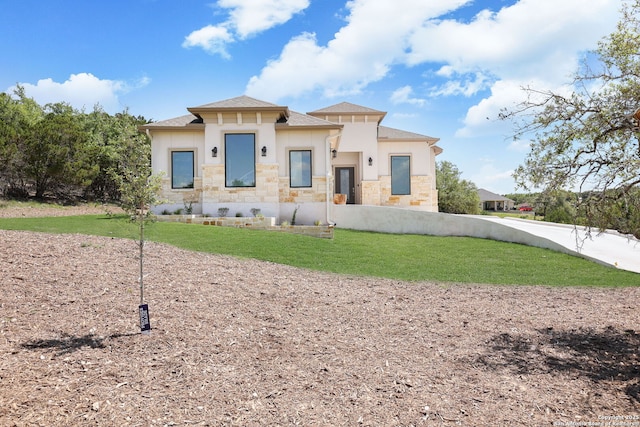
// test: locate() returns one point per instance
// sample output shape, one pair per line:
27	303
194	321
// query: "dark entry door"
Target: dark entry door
345	183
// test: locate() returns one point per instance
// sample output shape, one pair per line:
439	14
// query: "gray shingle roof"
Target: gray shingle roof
346	107
181	121
391	133
486	195
239	102
296	119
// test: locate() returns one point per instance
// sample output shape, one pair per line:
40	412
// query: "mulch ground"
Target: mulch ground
249	343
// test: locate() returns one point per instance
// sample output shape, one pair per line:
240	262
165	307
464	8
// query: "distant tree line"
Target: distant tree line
55	151
569	207
459	196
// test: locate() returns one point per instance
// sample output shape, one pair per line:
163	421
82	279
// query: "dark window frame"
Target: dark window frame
291	184
173	170
227	140
396	191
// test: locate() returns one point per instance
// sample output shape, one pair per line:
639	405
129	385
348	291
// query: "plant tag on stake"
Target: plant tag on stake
145	324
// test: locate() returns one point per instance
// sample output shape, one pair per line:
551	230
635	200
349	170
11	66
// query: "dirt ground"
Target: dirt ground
245	343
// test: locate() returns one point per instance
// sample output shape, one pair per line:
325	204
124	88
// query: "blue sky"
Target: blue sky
442	68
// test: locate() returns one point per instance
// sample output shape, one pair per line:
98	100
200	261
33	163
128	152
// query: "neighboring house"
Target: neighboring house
494	202
244	154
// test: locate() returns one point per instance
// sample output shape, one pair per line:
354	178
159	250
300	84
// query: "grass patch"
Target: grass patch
402	257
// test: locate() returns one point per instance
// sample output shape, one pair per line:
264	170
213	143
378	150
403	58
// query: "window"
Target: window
240	159
400	175
182	169
300	168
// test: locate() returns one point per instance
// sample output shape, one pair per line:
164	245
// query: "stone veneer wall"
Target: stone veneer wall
180	197
422	194
370	193
316	193
254	223
265	191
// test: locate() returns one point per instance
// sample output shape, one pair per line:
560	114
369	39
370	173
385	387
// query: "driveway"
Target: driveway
609	247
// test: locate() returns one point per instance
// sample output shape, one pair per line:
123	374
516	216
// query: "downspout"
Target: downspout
328	201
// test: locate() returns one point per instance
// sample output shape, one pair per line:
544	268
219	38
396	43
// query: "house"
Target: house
245	154
494	202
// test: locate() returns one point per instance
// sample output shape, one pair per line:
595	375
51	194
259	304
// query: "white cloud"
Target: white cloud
483	118
403	96
493	178
534	37
359	54
211	38
537	41
82	91
496	52
246	18
466	85
250	17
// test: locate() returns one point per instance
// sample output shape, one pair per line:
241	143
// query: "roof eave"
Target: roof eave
286	126
187	127
197	111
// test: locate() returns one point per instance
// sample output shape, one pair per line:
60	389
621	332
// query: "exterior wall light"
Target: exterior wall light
264	151
370	161
334	153
214	152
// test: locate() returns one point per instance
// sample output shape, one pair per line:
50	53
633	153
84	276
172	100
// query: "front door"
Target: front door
345	183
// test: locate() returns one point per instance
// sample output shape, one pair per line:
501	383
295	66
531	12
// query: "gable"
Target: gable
346	112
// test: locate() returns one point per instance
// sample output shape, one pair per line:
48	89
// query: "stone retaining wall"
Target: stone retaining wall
254	223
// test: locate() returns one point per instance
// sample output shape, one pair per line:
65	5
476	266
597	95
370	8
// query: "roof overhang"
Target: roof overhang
200	111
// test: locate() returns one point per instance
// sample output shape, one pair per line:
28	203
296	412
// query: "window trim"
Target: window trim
255	159
408	156
298	150
193	167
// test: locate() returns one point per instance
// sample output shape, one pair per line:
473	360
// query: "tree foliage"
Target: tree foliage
587	137
56	151
455	195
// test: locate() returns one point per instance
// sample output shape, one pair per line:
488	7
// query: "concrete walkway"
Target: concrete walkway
608	248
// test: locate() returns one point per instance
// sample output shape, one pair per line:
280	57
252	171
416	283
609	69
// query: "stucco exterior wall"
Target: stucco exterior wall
165	142
361	140
421	157
279	131
314	140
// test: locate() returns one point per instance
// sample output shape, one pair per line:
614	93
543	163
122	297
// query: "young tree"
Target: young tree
589	137
455	195
139	189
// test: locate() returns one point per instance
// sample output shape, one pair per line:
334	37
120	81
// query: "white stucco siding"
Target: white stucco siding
314	140
265	137
163	142
422	162
359	137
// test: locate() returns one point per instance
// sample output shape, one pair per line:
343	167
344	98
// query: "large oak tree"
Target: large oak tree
587	138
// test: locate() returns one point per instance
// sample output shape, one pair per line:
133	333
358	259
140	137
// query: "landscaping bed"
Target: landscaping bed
244	342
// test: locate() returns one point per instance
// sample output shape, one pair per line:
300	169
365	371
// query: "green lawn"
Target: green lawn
403	257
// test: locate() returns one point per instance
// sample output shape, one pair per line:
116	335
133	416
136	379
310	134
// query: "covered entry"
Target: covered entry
346	182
